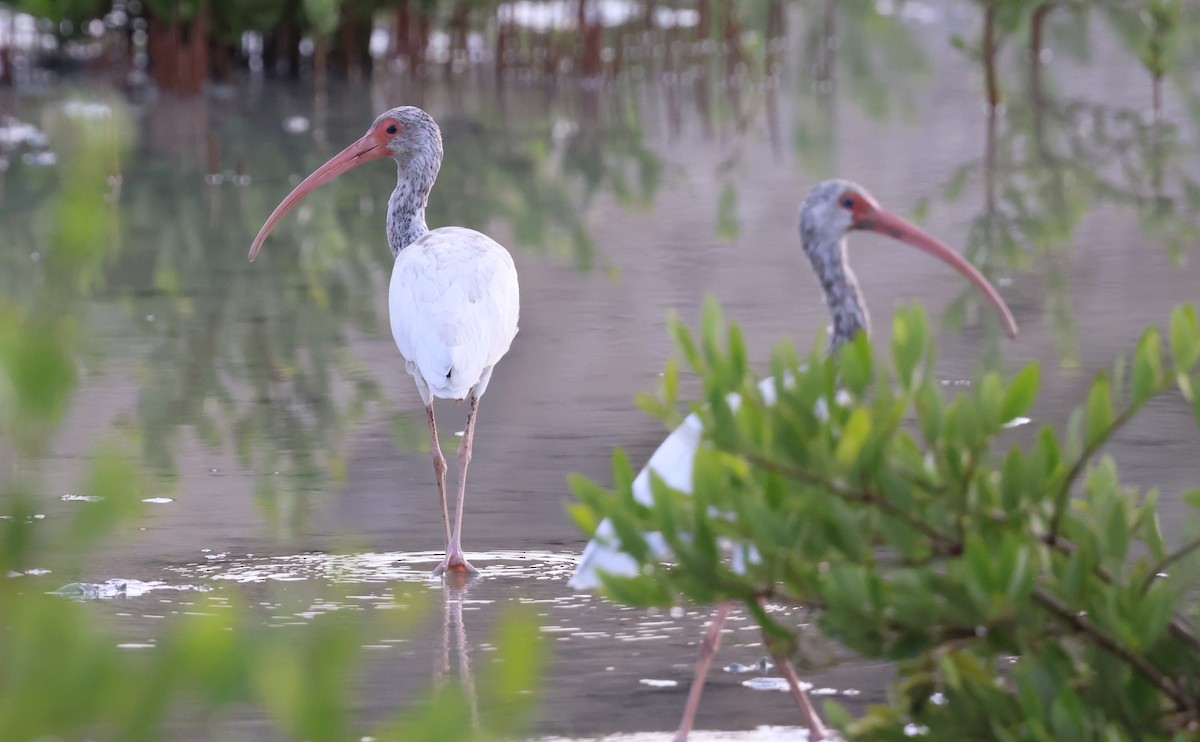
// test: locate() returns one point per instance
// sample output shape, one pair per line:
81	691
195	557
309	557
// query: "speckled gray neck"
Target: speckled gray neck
406	210
842	295
418	155
824	241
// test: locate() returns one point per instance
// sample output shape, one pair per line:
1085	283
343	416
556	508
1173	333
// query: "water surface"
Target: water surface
288	443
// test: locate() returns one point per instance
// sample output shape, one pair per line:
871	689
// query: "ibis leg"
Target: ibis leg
708	649
439	468
455	560
816	729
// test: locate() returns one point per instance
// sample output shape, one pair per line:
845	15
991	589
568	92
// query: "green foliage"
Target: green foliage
322	15
1027	587
728	225
77	12
1150	28
185	9
1047	160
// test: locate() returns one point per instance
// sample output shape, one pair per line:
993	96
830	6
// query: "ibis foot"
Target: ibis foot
455	561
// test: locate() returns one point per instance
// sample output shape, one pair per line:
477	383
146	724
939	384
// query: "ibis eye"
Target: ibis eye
391	129
848	202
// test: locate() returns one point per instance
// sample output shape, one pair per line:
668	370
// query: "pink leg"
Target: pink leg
455	561
708	649
816	729
439	468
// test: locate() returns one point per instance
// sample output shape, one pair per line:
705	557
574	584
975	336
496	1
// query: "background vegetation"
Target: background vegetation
1024	593
937	546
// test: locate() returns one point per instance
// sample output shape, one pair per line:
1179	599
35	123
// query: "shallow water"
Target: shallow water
288	441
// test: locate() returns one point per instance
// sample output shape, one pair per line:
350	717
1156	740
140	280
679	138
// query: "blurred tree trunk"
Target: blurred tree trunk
320	64
459	24
702	27
6	52
405	35
504	30
424	26
224	60
735	55
401	31
351	51
324	19
1036	93
411	34
281	46
592	36
179	50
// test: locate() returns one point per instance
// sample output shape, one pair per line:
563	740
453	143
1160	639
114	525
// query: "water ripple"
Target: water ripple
378	567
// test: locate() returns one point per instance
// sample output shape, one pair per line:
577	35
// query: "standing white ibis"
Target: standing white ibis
831	210
453	299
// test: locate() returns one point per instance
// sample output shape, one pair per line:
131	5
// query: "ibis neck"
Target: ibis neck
406	207
840	287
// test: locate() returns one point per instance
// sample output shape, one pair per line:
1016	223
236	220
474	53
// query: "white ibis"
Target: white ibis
831	210
453	299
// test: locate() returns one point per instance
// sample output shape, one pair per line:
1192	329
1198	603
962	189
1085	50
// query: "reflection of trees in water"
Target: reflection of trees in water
59	236
1156	33
258	361
534	158
1049	159
253	361
249	363
872	59
851	46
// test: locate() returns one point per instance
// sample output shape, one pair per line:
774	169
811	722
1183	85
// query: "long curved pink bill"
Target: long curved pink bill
893	226
364	150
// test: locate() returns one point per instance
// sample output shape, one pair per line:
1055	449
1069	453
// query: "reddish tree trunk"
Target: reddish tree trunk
179	51
990	49
412	34
702	28
423	29
403	33
502	33
592	37
1035	71
351	51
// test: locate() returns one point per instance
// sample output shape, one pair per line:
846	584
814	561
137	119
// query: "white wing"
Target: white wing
454	304
673	462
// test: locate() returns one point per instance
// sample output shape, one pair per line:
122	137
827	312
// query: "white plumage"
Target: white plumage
673	462
453	300
453	305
